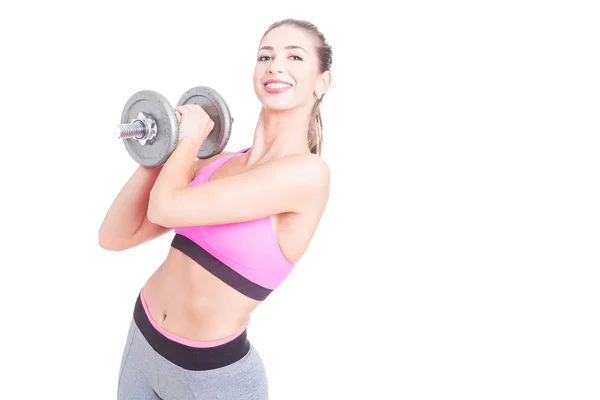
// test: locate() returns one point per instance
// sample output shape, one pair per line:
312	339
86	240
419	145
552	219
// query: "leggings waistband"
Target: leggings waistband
176	338
199	357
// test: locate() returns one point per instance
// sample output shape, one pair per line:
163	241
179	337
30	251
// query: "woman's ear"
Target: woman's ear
323	84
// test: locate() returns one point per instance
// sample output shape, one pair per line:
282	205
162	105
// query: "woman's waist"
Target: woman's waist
179	320
183	298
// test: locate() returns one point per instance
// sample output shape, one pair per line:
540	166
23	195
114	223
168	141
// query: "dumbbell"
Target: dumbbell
149	125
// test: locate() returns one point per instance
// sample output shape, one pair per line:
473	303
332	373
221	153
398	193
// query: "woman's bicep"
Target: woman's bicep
149	231
146	232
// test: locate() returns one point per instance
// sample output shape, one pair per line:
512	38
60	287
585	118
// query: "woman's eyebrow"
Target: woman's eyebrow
289	47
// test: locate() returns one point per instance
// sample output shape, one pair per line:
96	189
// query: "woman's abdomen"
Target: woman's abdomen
185	300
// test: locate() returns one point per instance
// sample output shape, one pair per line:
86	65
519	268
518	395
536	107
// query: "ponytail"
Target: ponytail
315	129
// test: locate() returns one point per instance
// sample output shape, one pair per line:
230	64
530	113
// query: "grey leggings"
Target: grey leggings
146	375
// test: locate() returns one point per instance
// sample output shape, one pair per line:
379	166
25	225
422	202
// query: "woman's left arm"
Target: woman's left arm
280	186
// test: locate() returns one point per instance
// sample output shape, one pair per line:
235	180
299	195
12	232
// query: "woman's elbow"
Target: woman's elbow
157	213
110	243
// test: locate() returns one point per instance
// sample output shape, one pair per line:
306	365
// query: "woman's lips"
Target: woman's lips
276	87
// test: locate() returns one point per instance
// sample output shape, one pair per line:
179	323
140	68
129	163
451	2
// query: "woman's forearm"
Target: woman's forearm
175	175
130	206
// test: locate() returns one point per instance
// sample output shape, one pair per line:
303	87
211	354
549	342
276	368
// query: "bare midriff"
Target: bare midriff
187	301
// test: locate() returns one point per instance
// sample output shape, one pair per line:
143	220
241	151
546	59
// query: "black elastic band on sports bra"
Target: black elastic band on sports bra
219	269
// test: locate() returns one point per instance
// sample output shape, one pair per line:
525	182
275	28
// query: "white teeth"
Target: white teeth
277	85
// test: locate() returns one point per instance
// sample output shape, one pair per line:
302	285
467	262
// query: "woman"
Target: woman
241	221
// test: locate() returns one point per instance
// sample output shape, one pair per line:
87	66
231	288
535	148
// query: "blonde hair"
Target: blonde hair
325	56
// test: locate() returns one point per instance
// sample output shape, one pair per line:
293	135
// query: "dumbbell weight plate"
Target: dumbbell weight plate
214	105
157	150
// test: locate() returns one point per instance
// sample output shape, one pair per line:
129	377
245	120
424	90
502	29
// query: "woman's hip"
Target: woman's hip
172	369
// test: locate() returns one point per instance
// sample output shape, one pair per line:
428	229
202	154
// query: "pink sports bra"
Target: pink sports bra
244	255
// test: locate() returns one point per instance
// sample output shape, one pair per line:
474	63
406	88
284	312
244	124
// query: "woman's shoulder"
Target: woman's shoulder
307	164
305	170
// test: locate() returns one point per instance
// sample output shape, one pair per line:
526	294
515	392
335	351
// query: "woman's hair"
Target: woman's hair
324	53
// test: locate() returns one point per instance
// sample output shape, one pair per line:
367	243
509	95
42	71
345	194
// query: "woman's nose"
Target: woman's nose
276	67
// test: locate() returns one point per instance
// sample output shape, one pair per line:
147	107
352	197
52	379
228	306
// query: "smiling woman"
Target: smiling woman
187	337
300	64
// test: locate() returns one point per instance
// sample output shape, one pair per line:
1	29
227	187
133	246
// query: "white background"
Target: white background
458	256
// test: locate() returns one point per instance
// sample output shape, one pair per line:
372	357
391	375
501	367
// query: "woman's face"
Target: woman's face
287	74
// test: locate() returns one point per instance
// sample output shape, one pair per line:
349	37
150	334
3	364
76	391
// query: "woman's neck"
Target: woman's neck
279	134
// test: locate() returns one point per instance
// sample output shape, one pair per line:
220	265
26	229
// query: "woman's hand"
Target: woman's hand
195	123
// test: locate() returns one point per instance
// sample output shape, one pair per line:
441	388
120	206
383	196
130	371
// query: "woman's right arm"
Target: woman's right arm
126	224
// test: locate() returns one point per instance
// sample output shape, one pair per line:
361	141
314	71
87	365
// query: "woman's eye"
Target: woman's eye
265	58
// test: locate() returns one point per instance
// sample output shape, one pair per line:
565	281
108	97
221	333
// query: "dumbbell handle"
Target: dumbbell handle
133	130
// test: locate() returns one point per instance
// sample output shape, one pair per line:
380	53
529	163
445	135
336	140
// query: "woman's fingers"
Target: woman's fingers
190	108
